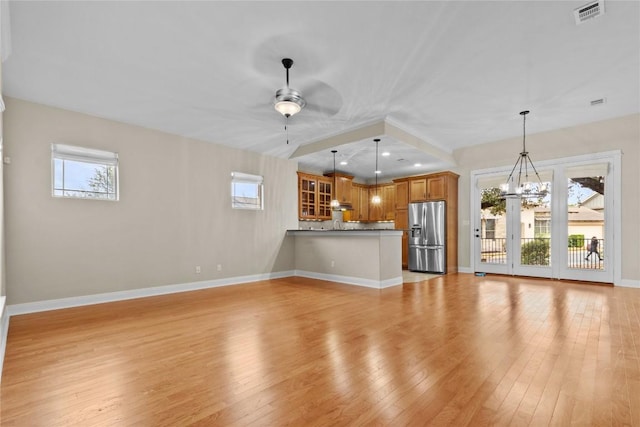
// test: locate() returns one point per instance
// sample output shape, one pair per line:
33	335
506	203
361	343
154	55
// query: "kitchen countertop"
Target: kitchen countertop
341	232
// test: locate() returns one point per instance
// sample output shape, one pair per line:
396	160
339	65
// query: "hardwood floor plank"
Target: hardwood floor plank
456	350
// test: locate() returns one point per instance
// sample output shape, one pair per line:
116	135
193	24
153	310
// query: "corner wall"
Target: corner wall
174	211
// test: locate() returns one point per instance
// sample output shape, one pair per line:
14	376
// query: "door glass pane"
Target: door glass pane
535	229
586	222
493	227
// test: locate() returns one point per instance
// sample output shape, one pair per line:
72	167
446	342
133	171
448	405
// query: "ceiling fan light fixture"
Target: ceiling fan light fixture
288	101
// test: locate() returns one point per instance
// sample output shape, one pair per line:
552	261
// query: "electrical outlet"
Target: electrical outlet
198	269
333	263
219	267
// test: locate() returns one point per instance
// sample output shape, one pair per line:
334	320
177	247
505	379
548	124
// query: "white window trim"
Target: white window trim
88	155
245	178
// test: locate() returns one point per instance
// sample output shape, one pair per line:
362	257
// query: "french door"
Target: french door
568	234
513	236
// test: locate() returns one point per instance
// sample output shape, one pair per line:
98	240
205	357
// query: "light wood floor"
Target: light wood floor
458	350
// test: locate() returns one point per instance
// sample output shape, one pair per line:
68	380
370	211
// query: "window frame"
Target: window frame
72	153
491	230
245	178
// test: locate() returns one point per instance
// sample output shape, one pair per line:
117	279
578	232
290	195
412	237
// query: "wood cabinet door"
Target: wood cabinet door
402	223
375	209
325	186
354	214
418	190
307	187
388	202
436	188
402	194
344	190
364	203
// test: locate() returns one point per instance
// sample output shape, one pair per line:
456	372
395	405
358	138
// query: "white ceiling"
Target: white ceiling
440	75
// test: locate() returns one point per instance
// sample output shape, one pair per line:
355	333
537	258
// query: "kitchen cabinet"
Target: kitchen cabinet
343	186
436	187
363	203
428	188
314	197
388	195
359	204
375	209
402	216
402	223
402	193
418	190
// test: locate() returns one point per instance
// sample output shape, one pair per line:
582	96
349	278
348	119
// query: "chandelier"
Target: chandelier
518	185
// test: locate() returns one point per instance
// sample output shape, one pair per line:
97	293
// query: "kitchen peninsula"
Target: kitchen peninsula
371	258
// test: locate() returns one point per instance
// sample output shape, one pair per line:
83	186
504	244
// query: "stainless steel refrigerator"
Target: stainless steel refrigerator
427	237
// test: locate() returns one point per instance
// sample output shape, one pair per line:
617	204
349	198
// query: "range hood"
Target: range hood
343	207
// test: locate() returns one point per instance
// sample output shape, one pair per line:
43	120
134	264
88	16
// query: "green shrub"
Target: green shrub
576	240
535	252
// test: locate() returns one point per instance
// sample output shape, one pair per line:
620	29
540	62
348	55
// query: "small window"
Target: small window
542	228
84	173
246	191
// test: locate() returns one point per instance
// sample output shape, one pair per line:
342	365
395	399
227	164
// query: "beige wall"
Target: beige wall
174	211
364	256
616	134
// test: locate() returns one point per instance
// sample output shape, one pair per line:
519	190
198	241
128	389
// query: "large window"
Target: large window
84	173
246	191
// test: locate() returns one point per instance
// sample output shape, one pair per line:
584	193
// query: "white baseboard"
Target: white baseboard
349	280
34	307
628	283
465	270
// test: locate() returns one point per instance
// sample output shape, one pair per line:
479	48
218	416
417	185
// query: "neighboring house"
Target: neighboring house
595	202
536	222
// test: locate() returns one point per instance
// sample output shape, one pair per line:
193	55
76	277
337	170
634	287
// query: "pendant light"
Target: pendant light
376	197
335	203
519	186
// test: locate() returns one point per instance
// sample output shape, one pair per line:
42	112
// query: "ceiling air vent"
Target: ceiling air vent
590	10
598	101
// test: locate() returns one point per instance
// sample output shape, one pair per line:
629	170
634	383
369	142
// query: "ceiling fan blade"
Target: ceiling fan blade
322	98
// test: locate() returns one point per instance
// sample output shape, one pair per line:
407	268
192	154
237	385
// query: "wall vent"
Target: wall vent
598	101
590	10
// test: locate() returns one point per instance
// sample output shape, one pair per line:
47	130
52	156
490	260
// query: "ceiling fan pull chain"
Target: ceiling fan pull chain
286	128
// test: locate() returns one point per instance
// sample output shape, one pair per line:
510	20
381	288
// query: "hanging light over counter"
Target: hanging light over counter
518	185
335	203
376	197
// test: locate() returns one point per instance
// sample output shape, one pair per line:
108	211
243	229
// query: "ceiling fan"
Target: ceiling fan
288	101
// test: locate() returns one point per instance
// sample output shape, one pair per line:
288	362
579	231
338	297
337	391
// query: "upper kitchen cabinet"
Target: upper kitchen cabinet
314	196
359	202
343	185
388	194
432	187
375	209
418	190
402	193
